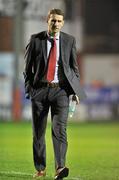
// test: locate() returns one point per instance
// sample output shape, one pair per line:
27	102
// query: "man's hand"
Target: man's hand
27	96
75	98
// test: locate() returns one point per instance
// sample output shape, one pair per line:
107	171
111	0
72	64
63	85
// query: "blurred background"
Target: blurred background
95	25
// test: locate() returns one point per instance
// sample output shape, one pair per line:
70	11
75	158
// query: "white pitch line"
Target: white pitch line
15	173
74	178
28	174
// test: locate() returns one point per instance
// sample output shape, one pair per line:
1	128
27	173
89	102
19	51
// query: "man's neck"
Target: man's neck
53	34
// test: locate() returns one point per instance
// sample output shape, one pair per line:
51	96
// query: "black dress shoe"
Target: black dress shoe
39	174
61	173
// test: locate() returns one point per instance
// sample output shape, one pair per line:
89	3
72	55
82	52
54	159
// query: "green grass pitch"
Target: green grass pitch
93	151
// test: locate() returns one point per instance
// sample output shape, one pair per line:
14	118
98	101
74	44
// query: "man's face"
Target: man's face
55	23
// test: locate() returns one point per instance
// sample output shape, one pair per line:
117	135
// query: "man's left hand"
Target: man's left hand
75	98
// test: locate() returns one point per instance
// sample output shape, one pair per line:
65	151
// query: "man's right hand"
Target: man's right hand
27	96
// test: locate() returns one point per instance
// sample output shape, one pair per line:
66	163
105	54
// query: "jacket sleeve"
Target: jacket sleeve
73	59
28	73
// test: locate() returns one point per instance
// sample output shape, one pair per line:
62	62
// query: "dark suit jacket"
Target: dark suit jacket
36	61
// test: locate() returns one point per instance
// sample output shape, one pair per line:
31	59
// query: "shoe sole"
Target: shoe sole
36	176
62	174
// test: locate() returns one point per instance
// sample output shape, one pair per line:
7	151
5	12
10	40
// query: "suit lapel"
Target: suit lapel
62	46
44	46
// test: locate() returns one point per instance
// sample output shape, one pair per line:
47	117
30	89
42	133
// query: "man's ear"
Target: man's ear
63	23
48	17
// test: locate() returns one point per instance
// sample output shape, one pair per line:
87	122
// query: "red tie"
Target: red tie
52	62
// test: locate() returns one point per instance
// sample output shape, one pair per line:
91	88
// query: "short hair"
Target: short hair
55	11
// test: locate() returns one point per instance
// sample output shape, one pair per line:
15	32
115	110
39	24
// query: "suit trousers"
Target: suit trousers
57	100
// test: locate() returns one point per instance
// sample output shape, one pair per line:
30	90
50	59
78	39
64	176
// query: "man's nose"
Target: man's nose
56	22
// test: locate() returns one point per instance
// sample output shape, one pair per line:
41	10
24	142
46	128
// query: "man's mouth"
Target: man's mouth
55	28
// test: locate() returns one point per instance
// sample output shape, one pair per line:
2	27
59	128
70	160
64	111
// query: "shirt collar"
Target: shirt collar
51	37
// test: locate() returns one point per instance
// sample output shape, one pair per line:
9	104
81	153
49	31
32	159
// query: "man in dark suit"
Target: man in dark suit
51	75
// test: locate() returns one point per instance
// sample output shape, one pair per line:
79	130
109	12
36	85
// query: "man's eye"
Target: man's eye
54	21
